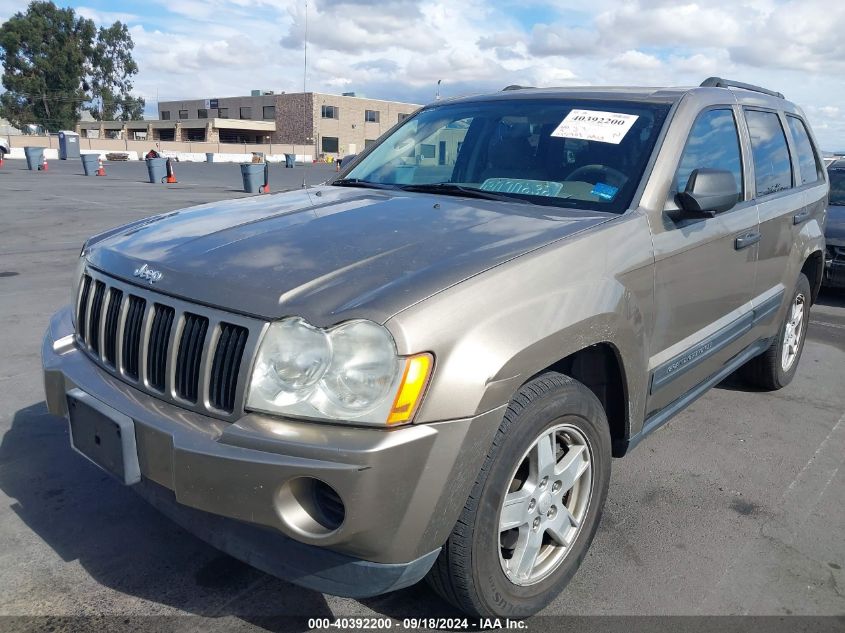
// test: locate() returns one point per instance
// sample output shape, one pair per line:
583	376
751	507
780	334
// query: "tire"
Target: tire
479	569
769	371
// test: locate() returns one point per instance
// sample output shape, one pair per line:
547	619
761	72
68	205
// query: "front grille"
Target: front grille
191	355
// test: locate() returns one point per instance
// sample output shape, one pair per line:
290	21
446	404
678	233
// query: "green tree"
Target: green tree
44	54
54	62
112	69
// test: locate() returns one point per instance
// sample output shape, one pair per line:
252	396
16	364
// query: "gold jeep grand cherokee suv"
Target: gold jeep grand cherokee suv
424	368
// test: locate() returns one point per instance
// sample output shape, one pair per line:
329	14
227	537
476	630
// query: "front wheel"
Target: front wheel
535	507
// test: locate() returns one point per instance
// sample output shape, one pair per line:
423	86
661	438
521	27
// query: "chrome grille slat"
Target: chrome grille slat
227	359
159	344
130	351
189	356
194	356
110	326
82	307
95	319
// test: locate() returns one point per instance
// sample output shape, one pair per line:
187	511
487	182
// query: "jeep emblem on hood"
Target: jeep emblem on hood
145	272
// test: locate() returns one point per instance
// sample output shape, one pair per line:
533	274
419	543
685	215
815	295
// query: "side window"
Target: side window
713	143
808	164
772	167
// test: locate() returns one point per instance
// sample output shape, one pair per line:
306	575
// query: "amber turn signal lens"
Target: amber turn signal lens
414	381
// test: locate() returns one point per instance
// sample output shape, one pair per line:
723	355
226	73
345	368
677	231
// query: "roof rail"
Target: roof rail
515	87
718	82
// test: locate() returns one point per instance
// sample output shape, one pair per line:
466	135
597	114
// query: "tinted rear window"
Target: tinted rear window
772	167
837	186
807	163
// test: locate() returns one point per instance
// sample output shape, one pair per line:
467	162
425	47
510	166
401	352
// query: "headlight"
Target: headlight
350	372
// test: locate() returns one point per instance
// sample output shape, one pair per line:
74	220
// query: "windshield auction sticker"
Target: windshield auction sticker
592	125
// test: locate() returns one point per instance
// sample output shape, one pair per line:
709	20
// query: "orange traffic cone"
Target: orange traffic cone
44	166
101	171
171	175
1	160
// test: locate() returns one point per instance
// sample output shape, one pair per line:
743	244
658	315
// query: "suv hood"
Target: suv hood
328	253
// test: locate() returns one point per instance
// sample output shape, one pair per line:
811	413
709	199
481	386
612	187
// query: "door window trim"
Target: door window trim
789	149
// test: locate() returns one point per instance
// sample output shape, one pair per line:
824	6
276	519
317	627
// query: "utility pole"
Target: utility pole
305	50
437	94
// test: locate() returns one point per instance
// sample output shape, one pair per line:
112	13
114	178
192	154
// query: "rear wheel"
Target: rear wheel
535	507
776	367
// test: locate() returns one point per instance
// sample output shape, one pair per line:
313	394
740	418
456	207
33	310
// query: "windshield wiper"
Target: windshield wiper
357	182
452	189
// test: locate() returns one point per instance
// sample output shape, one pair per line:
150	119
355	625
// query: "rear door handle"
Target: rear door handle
747	239
801	216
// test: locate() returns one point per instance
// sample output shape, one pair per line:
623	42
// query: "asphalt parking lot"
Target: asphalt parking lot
735	507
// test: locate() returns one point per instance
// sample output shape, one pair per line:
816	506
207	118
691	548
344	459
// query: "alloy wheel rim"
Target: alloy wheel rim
545	505
793	331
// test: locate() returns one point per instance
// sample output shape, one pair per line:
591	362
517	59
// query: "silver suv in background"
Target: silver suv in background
424	368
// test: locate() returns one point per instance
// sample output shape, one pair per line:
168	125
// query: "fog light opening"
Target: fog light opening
310	507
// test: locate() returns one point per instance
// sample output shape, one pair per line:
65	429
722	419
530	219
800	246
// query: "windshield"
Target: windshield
567	153
837	187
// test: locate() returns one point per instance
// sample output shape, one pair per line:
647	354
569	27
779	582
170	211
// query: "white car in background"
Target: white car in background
4	148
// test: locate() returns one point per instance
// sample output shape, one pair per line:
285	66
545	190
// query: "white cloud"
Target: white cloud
636	60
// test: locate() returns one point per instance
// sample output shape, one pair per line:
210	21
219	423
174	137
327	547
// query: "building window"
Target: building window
403	116
330	144
369	142
330	112
202	113
269	112
246	112
194	134
223	113
427	150
164	115
371	116
183	114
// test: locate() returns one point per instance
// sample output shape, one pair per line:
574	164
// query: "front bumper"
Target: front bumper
402	489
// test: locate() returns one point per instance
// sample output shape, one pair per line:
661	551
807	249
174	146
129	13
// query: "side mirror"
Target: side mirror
708	192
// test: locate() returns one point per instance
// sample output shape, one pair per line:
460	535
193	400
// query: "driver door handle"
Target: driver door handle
747	239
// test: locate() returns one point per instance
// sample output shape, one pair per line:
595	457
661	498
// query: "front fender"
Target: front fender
491	333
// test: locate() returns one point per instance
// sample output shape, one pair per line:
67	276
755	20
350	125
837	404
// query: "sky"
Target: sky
399	49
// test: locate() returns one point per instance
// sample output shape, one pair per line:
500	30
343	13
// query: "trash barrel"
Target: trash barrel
68	145
34	157
209	157
253	175
157	169
290	159
90	164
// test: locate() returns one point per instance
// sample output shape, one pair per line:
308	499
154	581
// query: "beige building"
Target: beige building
334	125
